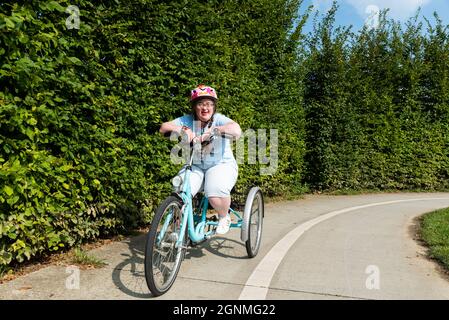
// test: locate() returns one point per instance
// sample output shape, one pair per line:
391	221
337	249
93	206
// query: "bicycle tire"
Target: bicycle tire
254	229
153	251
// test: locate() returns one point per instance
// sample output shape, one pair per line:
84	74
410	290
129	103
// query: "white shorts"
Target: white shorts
217	181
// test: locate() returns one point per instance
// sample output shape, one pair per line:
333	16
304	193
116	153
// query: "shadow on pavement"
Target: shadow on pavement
224	247
129	275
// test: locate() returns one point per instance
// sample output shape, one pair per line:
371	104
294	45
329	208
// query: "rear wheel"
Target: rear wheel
162	257
254	207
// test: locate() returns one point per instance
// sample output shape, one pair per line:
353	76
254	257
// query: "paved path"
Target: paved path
320	247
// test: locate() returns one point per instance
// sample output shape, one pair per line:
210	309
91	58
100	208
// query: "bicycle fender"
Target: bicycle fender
247	213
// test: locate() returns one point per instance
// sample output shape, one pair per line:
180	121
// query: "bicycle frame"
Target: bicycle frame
182	221
196	233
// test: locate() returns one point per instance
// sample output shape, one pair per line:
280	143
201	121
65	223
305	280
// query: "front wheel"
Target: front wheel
162	257
253	216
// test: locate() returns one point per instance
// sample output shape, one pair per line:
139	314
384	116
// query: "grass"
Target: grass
435	233
4	270
76	256
81	257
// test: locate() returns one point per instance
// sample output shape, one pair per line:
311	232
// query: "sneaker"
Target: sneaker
224	224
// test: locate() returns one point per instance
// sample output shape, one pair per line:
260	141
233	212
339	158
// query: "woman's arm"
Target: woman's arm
168	127
232	128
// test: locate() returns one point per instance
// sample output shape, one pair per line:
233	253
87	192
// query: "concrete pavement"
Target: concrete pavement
365	253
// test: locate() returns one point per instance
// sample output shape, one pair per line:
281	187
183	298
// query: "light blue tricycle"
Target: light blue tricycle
181	221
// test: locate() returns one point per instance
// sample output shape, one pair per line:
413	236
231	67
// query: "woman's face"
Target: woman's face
204	109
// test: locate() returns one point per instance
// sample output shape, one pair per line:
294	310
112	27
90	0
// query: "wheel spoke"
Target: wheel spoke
165	259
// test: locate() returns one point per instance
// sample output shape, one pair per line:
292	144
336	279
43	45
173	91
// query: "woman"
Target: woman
218	169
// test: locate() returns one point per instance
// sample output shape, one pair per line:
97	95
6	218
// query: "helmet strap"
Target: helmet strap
208	123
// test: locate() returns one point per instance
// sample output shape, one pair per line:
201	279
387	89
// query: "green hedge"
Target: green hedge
377	107
80	109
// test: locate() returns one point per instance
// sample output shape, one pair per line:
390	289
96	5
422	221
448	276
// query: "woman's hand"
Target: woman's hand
189	133
230	129
207	135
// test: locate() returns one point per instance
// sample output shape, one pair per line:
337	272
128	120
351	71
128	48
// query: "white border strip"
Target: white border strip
256	287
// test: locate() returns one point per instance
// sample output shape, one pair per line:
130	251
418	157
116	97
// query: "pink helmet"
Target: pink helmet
203	91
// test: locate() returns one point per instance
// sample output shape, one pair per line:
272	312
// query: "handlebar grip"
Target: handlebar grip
227	136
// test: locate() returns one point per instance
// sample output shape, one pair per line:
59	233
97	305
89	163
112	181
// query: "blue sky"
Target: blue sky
356	12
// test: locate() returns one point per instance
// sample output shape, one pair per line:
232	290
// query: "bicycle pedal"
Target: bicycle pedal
194	244
173	237
191	244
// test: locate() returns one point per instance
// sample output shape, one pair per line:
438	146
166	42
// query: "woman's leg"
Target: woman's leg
196	179
218	183
220	204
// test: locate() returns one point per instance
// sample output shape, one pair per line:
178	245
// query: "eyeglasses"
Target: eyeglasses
207	104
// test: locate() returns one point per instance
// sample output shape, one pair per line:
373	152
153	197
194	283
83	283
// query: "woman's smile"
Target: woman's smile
205	109
206	114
